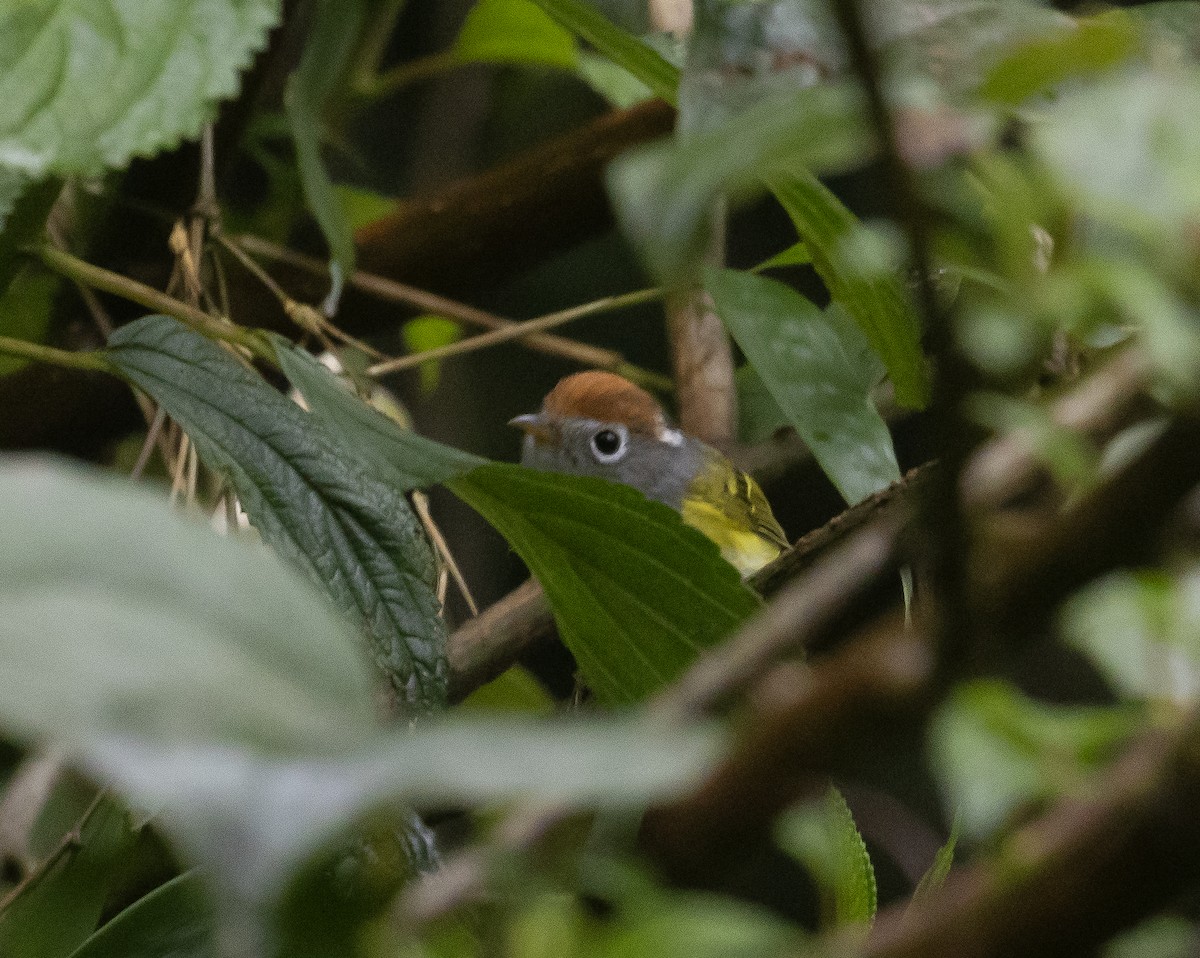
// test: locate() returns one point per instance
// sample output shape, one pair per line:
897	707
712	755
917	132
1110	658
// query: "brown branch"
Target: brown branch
1097	863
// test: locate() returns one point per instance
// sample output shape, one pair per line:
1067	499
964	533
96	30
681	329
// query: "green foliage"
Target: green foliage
997	751
825	839
637	594
430	332
58	907
937	873
252	654
317	505
820	371
513	31
334	32
175	919
25	310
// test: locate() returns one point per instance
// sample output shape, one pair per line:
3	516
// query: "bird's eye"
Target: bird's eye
608	445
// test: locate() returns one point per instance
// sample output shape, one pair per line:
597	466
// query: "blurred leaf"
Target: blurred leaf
401	457
616	84
1171	22
252	819
25	308
994	750
759	415
664	193
513	31
361	207
824	838
188	636
173	921
23	217
1142	631
422	333
332	37
319	506
58	907
636	593
875	300
91	84
621	47
820	372
515	690
696	926
795	255
1079	47
1165	936
935	877
1072	461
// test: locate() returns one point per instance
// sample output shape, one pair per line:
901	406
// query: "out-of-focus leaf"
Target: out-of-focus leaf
994	750
1142	631
664	193
874	299
251	819
173	921
25	308
422	333
759	415
820	372
513	31
1166	936
402	458
90	84
516	690
1080	47
620	46
1071	460
316	503
696	926
58	907
616	84
189	636
795	255
361	206
22	221
636	593
336	27
935	876
1170	23
825	839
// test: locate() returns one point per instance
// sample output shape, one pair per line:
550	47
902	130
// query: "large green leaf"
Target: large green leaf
149	624
331	41
59	905
636	593
401	457
89	84
819	369
173	921
870	294
623	48
664	193
513	31
314	502
825	839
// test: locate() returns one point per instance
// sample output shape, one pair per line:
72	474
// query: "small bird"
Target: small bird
598	424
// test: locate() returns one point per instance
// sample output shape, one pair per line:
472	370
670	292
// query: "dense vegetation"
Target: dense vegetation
930	270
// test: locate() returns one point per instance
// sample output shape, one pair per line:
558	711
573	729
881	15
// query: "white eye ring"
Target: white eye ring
603	440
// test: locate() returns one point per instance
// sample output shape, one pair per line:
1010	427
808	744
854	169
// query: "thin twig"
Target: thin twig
84	360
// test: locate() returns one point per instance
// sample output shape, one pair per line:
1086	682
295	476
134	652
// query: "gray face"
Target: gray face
660	469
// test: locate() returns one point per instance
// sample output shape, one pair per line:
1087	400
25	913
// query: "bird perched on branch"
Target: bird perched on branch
598	424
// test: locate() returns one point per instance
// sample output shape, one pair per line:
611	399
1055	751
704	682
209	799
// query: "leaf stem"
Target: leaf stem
405	74
518	330
91	361
97	277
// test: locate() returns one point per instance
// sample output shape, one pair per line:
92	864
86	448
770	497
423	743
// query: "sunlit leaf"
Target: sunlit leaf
316	503
636	593
820	371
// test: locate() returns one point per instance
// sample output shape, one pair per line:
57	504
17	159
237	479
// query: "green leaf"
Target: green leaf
174	920
1089	45
59	905
25	308
664	193
636	593
795	255
819	371
422	333
319	506
935	876
616	84
23	217
188	636
759	415
873	298
513	31
825	839
1164	936
401	457
336	27
515	690
622	48
996	751
89	84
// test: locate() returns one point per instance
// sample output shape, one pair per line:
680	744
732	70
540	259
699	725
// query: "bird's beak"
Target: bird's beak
535	425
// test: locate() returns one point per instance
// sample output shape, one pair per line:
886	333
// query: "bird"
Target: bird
600	424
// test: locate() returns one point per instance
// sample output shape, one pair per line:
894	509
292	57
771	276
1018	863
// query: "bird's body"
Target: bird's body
598	424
